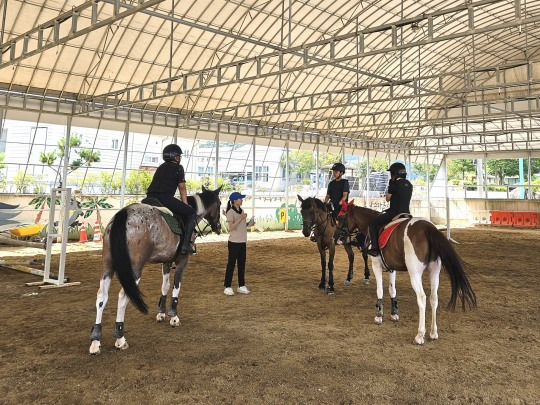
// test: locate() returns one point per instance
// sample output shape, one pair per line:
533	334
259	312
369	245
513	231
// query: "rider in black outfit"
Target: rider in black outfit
399	194
167	179
338	189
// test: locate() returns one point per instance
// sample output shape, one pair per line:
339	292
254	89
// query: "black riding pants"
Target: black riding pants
383	219
237	254
174	204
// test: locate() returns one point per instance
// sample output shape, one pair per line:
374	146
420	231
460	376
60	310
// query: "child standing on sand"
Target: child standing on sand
236	218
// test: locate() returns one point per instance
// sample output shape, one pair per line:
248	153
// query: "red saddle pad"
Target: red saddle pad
385	235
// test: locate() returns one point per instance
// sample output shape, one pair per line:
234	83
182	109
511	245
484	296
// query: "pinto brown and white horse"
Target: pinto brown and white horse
137	235
317	219
414	246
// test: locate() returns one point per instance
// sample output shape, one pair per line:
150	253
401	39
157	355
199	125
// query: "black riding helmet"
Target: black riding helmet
339	167
170	152
398	169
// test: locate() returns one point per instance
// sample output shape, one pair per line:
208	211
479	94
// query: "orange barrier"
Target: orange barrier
518	218
495	217
529	219
537	219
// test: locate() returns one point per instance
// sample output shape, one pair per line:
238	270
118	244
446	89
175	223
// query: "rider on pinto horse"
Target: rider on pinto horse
399	194
167	178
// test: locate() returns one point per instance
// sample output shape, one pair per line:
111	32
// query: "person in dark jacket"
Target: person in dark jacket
338	189
399	194
167	179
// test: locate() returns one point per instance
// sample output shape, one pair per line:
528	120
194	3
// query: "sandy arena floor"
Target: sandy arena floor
285	343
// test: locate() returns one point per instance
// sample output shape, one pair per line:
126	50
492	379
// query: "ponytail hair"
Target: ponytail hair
229	206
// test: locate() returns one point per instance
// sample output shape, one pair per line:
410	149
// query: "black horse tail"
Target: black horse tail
121	262
441	247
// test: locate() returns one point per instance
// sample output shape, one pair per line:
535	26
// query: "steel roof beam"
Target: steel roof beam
287	61
35	40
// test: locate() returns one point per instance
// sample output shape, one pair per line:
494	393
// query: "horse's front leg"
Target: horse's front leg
378	271
322	252
162	305
392	290
350	256
181	264
366	268
331	254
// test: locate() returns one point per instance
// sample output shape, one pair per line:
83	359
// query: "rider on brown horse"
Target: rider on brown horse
338	189
399	194
167	178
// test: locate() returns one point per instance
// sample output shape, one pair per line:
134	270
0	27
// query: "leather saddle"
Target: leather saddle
175	221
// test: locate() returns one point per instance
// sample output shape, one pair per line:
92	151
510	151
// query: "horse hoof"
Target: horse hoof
322	289
160	317
347	282
330	292
366	281
395	317
175	322
95	348
121	344
419	340
378	320
434	336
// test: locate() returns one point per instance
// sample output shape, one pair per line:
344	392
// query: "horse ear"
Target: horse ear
218	190
300	198
203	188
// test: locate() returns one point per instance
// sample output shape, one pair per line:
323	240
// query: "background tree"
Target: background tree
500	168
84	157
457	168
420	169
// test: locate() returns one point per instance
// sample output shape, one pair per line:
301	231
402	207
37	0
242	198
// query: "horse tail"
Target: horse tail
454	267
121	262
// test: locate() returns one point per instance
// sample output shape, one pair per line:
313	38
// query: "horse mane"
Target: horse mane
208	197
306	204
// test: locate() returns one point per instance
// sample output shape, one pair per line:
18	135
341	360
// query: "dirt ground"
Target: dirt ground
285	343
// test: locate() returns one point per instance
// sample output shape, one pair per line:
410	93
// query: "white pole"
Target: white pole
63	180
175	136
445	166
428	187
287	186
216	166
253	178
367	179
124	166
485	176
317	170
529	175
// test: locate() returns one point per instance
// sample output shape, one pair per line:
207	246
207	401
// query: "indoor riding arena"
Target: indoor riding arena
269	104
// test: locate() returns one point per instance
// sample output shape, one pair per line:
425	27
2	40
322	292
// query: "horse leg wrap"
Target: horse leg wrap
96	332
394	306
162	305
379	306
174	304
119	330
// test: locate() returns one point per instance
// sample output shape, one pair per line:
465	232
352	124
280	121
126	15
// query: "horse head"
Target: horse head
212	208
308	210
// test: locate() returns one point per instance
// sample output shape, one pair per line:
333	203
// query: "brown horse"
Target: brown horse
316	218
137	235
415	245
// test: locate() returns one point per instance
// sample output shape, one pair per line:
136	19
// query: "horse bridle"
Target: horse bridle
314	225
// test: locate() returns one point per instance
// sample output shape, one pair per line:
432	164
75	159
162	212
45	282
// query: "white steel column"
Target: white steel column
287	185
447	199
175	136
485	176
216	166
124	165
317	173
428	187
367	179
253	178
529	175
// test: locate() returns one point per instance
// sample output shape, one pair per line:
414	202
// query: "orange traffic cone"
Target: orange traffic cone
82	234
97	232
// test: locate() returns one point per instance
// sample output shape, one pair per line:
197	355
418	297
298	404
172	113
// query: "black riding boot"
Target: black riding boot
374	249
185	247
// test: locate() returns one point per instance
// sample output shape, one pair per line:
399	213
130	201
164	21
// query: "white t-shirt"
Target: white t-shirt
238	235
